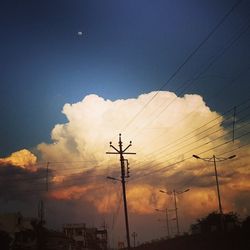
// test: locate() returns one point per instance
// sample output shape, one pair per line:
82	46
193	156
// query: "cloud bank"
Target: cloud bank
166	131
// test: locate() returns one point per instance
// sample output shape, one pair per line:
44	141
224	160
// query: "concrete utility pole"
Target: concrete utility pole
215	159
121	152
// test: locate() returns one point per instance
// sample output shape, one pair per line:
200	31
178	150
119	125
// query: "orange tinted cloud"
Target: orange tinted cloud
23	159
69	193
157	134
144	199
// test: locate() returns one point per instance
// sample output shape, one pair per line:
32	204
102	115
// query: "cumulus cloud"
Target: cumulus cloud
22	158
164	137
156	129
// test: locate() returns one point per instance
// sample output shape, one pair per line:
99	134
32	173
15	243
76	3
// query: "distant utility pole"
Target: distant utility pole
167	220
175	193
121	152
41	212
41	209
47	177
134	235
176	214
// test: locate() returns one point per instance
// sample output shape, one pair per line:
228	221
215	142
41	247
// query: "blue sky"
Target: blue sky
128	48
131	47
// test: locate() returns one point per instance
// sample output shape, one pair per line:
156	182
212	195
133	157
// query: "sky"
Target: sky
172	76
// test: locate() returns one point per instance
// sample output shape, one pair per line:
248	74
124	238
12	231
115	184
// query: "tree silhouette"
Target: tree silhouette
246	225
212	223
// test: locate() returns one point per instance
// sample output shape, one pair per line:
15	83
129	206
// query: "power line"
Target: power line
187	158
189	57
185	137
188	84
194	148
206	143
34	192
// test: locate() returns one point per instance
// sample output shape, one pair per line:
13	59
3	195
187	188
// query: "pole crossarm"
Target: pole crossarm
130	144
176	192
113	178
118	152
218	159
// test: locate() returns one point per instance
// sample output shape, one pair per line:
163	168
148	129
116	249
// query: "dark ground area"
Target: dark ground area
236	240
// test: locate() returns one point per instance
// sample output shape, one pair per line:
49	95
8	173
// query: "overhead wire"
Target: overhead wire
179	142
187	158
214	59
189	182
206	136
172	76
103	175
176	141
196	147
179	121
188	58
150	173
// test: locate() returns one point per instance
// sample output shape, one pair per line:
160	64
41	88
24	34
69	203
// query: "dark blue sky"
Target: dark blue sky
132	47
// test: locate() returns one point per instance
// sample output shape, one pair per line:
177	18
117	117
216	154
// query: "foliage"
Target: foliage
215	222
246	225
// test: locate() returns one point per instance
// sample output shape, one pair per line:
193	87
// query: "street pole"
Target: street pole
175	193
215	159
121	152
218	195
47	177
134	234
167	223
176	213
217	185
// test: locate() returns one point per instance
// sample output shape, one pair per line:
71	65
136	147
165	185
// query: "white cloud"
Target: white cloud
162	134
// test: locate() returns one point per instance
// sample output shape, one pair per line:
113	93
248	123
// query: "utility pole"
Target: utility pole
41	205
175	193
167	222
176	213
47	188
47	177
167	219
217	185
121	152
215	159
41	212
134	235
